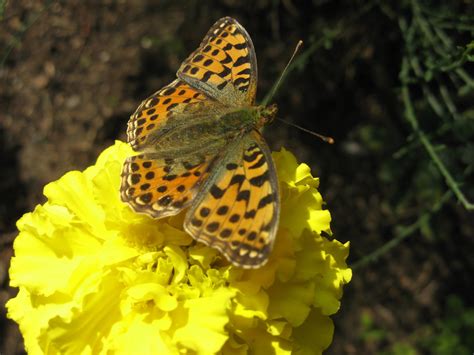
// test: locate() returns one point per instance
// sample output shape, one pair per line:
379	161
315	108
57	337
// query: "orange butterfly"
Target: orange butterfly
200	146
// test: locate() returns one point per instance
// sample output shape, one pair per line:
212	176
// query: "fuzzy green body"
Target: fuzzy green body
206	133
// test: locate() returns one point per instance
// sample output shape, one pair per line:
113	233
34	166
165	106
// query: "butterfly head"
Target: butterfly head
266	114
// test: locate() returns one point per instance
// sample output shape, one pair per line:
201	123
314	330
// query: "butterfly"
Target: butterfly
200	145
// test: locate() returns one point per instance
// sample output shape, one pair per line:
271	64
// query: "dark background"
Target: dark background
72	72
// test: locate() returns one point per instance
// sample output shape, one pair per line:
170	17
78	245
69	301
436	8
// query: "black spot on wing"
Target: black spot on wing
216	192
172	106
226	60
240	45
146	197
196	222
178	204
165	201
135	178
258	164
225	233
241	60
227	47
222	210
212	227
198	58
170	177
206	76
260	179
265	200
252	236
240	81
243	195
204	212
250	214
237	179
224	73
245	71
167	92
252	157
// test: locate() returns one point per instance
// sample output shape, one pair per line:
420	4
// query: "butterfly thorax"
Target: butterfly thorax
209	133
266	114
246	119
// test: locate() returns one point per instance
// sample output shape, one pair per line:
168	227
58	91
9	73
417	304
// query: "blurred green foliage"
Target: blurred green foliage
3	5
451	334
436	91
441	117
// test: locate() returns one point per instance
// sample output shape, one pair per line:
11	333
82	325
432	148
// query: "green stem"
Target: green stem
448	101
466	77
411	117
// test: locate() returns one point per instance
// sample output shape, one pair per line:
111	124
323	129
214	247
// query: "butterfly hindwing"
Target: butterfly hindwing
237	210
225	65
162	187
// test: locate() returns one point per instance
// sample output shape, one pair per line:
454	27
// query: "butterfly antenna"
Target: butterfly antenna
326	139
269	96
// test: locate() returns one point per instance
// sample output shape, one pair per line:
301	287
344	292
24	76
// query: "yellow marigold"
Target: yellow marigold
95	277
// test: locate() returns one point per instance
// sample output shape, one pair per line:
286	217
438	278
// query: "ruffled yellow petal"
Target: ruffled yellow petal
204	320
128	335
95	277
309	341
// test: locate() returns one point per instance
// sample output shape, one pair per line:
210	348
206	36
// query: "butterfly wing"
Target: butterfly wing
237	209
156	182
225	65
157	110
162	187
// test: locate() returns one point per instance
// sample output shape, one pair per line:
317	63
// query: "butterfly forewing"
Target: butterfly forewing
225	65
237	210
154	112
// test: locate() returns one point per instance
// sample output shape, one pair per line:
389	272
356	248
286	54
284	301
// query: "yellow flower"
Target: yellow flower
95	277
